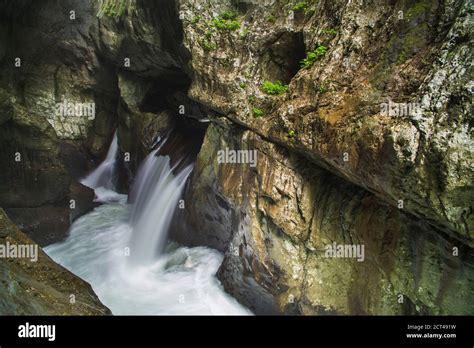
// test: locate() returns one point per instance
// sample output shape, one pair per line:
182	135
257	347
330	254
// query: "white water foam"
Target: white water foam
103	175
155	198
181	281
121	250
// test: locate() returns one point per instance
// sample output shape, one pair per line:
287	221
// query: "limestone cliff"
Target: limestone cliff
333	165
403	51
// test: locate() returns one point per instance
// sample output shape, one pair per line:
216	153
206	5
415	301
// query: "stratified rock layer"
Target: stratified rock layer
332	166
332	114
275	220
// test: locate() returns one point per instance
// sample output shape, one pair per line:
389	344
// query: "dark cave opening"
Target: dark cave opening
278	64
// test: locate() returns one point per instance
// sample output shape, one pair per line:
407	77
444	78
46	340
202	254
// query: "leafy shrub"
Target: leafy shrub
313	56
224	24
291	133
274	88
226	21
300	6
195	19
207	45
242	85
257	112
271	19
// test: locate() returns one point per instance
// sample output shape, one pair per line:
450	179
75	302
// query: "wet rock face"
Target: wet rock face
278	218
76	61
370	145
42	287
38	189
333	113
45	150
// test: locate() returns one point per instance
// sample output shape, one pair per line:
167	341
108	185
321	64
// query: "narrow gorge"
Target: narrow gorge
238	157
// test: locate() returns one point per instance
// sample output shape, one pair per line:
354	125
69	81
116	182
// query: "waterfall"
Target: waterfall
154	196
157	277
103	175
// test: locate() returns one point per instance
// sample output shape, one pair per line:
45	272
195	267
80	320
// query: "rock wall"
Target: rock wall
275	220
70	54
40	287
36	188
333	166
403	51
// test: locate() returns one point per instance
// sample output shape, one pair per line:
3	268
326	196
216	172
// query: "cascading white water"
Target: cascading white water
155	197
103	175
180	280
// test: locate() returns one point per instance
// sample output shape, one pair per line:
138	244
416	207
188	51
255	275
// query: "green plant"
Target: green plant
300	6
113	8
274	88
195	19
271	19
208	34
226	21
224	24
322	89
244	33
313	56
257	112
329	31
291	133
242	85
418	8
207	45
228	15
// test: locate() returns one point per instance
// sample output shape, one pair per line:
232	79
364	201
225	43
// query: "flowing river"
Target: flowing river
121	247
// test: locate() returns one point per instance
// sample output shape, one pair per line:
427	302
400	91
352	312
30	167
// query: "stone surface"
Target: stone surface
36	187
276	219
335	106
42	287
